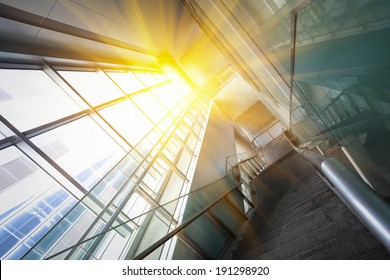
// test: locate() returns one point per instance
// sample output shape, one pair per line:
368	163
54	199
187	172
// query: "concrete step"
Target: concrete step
299	217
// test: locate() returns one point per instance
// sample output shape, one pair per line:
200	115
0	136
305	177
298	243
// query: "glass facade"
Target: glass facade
101	159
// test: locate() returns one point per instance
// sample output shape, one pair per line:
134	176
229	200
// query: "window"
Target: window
29	98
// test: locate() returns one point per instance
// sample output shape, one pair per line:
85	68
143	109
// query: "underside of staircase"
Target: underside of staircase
299	217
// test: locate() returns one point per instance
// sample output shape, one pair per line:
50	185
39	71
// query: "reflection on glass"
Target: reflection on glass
31	202
82	149
29	98
343	96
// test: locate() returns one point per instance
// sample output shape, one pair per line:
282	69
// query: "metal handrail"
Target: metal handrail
164	239
372	210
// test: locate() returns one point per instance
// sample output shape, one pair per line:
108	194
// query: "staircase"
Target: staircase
299	217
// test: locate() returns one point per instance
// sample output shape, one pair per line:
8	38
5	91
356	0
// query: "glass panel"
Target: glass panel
150	105
160	77
268	23
29	98
184	161
82	149
184	252
165	97
342	66
146	78
192	141
208	236
172	191
128	120
157	228
127	81
95	87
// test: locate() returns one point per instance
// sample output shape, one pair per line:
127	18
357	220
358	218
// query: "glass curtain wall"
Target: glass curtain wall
341	81
85	149
267	23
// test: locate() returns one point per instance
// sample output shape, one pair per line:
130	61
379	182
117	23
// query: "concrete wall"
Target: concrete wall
242	144
218	143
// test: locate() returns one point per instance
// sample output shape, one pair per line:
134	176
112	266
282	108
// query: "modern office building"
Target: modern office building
153	129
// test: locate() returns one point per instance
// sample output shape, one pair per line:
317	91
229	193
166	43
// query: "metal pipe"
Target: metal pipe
164	239
371	209
362	200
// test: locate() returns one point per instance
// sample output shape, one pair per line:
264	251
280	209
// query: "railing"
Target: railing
218	209
245	166
271	133
363	201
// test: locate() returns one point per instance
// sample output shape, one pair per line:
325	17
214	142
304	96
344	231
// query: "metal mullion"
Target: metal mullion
157	154
133	247
44	156
121	206
164	185
129	95
20	66
152	201
141	72
146	89
190	128
143	112
78	203
155	125
166	180
139	180
8	142
211	215
146	214
119	209
110	103
100	215
158	99
104	209
183	144
58	79
173	167
293	34
55	124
